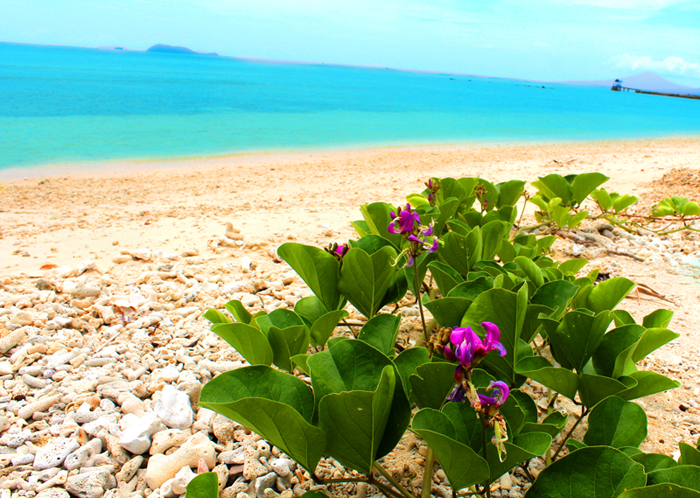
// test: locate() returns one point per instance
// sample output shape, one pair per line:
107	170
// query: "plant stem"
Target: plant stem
428	474
485	443
386	490
584	412
424	336
393	481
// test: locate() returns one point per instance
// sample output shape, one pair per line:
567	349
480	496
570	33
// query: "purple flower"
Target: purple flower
341	250
468	346
407	221
457	394
500	395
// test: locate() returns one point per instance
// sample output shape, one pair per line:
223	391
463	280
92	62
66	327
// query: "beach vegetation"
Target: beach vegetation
502	315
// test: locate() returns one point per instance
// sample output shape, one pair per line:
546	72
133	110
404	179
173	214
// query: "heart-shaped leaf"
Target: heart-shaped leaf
654	461
353	365
216	316
365	279
453	251
323	328
689	455
354	422
277	406
584	184
431	384
445	277
658	319
250	342
288	342
651	340
204	486
594	472
310	309
523	447
449	311
561	380
556	295
406	364
614	353
239	311
319	269
462	466
648	383
617	423
378	217
577	337
595	388
381	332
687	476
608	294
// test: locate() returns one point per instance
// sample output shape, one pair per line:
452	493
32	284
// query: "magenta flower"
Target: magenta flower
500	395
342	249
405	223
468	346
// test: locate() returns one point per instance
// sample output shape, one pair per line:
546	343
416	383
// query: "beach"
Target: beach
157	229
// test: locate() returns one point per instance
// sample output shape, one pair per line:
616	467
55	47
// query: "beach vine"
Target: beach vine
502	314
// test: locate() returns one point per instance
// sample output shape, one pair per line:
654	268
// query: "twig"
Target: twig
393	481
622	253
584	412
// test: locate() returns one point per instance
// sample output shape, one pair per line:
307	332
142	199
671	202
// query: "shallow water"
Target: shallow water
67	105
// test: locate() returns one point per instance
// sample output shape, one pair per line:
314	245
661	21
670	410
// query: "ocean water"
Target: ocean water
63	105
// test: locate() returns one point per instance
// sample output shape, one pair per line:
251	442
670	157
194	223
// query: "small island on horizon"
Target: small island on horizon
174	49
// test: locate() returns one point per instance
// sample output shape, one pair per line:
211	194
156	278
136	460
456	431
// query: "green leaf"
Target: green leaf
354	422
531	270
687	476
648	383
654	461
406	364
492	235
617	423
623	202
615	350
534	319
595	388
572	266
250	342
449	311
449	187
280	318
603	199
556	295
651	340
665	490
239	311
510	192
445	277
319	269
552	424
431	384
204	486
378	216
302	362
352	365
660	318
608	294
553	186
288	342
462	466
691	209
381	332
365	279
370	243
577	337
472	288
416	200
453	252
323	328
447	210
216	316
561	380
275	405
361	228
689	455
584	184
597	472
310	309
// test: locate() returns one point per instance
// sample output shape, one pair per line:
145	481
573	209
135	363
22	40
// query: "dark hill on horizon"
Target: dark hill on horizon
647	81
173	49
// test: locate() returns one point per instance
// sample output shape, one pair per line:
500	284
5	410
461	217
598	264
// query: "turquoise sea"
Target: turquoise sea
70	105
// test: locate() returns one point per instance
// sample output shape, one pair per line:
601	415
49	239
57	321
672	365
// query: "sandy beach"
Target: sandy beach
175	213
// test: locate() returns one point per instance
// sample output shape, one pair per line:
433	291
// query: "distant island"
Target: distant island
172	49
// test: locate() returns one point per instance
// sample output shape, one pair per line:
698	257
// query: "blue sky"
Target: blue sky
537	39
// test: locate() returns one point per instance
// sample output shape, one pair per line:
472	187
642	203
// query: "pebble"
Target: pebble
137	436
88	484
54	453
174	408
163	467
53	493
11	340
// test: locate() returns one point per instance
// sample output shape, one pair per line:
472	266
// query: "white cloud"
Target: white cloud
670	65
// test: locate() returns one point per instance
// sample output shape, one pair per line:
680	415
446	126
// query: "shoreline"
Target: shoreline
120	167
